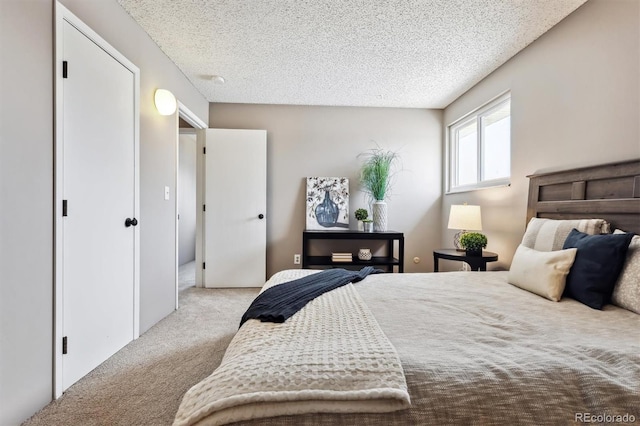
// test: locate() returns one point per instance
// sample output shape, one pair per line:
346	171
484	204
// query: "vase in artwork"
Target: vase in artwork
327	211
379	209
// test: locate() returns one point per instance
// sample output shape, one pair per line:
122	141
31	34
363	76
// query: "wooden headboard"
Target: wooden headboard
608	191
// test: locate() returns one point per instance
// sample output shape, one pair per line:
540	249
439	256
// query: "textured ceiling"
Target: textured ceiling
393	53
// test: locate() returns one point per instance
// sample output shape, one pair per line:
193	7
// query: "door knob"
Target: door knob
130	222
260	216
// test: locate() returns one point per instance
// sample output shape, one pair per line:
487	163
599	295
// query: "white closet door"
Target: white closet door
99	188
236	202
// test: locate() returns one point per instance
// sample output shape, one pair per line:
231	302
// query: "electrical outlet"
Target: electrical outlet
296	259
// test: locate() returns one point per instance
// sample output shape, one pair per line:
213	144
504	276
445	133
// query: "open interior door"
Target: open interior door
235	208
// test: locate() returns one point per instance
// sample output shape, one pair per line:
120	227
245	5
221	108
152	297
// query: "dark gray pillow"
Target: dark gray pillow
596	267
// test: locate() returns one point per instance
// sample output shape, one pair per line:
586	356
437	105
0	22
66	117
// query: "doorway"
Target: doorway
188	183
187	158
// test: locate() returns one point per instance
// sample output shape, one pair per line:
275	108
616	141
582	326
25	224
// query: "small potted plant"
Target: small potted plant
473	243
361	214
367	225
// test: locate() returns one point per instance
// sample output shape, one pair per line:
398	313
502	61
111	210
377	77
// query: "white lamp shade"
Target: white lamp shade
465	217
165	102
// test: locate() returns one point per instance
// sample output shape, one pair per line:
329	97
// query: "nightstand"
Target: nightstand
476	262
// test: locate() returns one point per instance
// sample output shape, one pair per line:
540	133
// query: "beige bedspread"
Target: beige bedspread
476	350
331	356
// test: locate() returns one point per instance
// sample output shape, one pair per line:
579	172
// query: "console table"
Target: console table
388	261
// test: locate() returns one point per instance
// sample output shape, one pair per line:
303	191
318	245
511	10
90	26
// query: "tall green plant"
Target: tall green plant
376	172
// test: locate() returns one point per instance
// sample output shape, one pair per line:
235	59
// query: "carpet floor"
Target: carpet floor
144	382
187	275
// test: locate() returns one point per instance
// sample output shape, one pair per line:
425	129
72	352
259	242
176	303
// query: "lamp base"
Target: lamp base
456	240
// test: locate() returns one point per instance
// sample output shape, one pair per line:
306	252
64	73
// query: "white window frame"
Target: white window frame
452	148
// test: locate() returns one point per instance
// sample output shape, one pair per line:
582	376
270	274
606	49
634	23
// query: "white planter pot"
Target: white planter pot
379	209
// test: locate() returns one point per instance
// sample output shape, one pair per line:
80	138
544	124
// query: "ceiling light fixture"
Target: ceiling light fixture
217	79
165	102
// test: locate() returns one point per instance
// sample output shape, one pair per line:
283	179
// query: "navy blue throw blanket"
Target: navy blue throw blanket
277	304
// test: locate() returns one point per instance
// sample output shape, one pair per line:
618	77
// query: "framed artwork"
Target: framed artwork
327	203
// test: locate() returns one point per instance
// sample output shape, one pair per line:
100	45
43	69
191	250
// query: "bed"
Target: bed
475	349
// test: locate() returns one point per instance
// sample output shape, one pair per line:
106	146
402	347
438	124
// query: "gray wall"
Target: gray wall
26	191
325	141
187	198
26	182
574	102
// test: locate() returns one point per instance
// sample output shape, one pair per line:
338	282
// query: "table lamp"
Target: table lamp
464	218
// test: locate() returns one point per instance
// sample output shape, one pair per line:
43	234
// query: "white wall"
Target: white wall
26	182
325	141
574	102
187	198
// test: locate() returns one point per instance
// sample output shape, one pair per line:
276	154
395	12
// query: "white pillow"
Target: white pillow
541	272
626	293
549	234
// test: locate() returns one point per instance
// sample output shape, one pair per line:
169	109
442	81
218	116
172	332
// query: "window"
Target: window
480	147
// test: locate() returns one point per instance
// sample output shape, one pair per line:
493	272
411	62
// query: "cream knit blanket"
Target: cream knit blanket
330	357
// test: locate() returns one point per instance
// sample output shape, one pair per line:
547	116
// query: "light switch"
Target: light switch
166	192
